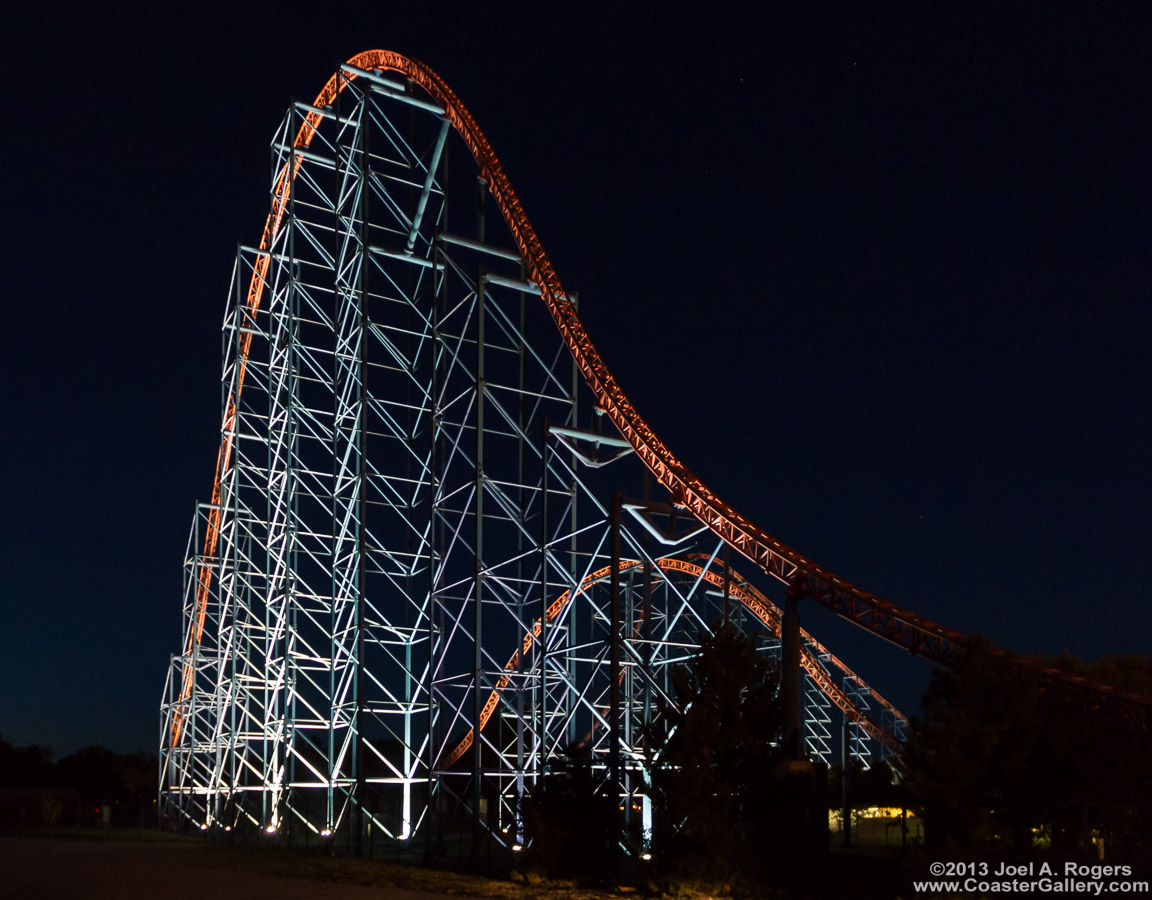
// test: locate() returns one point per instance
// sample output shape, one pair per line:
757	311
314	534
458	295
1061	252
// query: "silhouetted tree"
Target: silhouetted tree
998	751
974	762
26	767
875	786
569	820
717	748
95	772
1105	760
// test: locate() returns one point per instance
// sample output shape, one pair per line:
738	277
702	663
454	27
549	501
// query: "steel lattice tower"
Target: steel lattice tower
431	563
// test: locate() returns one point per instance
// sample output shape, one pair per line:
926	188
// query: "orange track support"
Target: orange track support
752	599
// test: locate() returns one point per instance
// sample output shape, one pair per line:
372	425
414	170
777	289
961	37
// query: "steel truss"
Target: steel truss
416	586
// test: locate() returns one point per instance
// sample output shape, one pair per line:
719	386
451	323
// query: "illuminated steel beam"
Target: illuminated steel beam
404	488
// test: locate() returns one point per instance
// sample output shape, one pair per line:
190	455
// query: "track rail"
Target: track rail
915	633
900	626
752	600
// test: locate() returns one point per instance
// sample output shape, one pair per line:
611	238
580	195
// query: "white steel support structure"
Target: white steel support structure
858	746
414	591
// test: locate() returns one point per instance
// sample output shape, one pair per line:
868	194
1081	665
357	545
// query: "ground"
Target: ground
118	868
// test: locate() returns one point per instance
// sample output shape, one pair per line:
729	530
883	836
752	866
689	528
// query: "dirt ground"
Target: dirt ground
33	868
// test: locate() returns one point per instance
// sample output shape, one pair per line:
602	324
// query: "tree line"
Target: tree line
1002	759
38	790
998	763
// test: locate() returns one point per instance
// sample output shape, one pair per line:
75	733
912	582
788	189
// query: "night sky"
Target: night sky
882	279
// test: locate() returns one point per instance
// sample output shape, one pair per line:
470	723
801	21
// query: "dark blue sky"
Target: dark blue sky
881	279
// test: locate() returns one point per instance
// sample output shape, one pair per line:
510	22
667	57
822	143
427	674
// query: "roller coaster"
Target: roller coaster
418	581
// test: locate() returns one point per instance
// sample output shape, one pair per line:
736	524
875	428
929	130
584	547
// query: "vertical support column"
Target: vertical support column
614	687
348	490
573	557
243	591
478	590
626	686
432	829
280	589
542	661
727	587
845	806
647	653
792	683
360	796
521	424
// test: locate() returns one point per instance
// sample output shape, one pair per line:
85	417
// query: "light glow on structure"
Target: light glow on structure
419	449
406	816
402	601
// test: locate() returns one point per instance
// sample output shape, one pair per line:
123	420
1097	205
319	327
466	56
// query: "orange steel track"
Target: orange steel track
763	608
900	626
